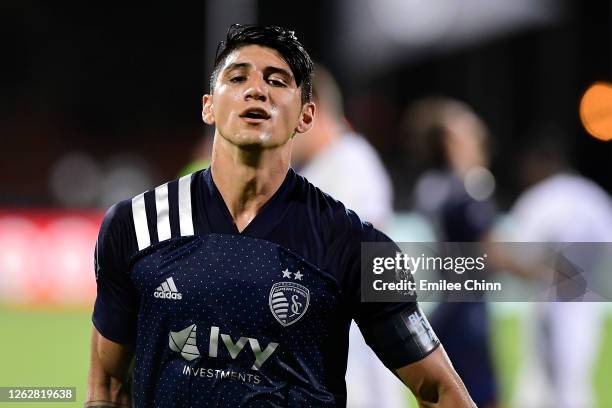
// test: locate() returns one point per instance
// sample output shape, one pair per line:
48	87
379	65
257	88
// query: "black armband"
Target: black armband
402	338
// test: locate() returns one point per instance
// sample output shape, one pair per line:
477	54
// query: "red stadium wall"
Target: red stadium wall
46	256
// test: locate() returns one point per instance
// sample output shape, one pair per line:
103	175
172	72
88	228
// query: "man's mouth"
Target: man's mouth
255	114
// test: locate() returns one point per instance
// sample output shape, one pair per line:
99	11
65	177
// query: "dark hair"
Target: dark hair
277	38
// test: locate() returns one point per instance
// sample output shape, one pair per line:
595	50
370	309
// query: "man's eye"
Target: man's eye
276	82
237	79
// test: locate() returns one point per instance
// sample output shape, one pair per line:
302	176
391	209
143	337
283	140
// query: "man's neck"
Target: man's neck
247	178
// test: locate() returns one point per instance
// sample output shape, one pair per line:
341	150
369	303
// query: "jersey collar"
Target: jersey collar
270	214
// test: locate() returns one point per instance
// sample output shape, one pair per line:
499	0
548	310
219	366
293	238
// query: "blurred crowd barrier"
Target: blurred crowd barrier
46	256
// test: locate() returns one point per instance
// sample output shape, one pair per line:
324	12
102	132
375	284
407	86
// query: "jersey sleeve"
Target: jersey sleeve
116	306
398	333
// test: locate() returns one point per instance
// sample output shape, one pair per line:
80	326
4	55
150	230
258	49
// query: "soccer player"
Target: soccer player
236	285
561	340
450	140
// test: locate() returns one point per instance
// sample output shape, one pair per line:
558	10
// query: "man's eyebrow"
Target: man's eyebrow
237	65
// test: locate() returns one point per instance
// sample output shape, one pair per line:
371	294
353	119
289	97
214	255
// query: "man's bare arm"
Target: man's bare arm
108	383
434	382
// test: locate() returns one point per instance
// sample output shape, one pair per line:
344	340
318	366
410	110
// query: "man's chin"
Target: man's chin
255	139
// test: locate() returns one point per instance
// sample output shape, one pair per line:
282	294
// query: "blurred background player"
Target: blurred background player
342	163
454	193
561	338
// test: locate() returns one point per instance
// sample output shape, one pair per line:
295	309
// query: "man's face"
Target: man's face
256	101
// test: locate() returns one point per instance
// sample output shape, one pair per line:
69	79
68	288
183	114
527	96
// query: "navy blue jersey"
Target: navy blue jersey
222	318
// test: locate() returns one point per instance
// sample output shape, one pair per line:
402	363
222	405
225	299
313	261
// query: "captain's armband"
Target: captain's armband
401	338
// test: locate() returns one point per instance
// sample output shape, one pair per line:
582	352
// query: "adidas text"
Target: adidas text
167	295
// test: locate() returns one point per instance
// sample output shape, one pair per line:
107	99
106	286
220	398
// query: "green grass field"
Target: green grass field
45	348
51	348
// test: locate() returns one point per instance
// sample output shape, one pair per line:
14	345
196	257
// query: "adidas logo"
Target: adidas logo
167	290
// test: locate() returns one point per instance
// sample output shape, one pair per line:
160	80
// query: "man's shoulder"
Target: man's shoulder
331	215
320	203
118	215
124	210
156	214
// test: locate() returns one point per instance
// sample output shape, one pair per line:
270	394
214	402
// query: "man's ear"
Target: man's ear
306	118
207	110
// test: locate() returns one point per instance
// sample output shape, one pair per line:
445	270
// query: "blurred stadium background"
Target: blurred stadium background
100	103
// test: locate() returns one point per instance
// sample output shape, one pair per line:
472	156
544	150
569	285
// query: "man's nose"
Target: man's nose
256	90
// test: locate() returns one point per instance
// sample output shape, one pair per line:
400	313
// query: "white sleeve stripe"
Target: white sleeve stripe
163	212
139	214
185	216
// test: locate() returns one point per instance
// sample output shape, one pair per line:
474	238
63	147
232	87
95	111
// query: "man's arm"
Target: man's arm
434	382
405	342
108	383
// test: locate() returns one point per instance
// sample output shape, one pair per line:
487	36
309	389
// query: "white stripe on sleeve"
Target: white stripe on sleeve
163	217
139	213
185	216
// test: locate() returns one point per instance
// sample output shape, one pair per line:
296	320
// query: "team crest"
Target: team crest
288	302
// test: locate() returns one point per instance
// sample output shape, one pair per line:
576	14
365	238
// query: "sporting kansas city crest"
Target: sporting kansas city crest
288	302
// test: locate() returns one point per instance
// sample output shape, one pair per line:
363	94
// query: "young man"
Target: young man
235	286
